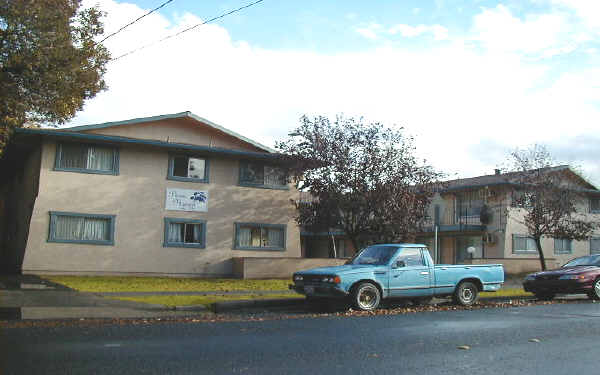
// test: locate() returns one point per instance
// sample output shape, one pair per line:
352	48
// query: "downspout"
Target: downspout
334	249
435	246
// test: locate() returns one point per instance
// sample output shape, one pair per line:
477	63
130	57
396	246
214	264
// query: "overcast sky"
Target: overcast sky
471	80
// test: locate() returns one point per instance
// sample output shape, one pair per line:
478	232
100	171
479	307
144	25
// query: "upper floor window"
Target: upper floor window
595	205
524	244
188	168
252	236
256	174
81	228
563	246
469	203
87	158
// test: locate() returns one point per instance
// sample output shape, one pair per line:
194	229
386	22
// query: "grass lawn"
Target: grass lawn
99	284
506	293
203	300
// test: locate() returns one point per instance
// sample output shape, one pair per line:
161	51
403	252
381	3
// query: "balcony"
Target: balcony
453	221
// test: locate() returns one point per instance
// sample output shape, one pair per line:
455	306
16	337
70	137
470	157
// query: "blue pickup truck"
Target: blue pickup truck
397	271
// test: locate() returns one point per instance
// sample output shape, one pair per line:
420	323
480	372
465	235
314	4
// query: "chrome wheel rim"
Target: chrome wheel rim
467	295
597	287
368	298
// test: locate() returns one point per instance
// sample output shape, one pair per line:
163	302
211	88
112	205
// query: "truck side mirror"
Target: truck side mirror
399	264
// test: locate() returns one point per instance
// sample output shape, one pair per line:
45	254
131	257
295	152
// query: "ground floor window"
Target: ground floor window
185	233
523	244
470	247
563	246
72	227
253	236
595	245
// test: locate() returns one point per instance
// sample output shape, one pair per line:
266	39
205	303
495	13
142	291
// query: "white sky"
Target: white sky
509	78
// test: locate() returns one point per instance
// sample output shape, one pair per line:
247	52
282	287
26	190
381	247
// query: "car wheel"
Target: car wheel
544	296
466	293
421	301
366	296
595	293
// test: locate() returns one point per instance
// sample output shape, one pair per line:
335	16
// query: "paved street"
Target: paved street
499	341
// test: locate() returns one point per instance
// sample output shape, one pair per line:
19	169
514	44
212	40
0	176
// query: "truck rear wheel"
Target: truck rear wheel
466	293
366	296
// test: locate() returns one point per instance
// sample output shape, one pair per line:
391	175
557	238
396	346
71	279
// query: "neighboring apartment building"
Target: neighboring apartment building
172	194
481	214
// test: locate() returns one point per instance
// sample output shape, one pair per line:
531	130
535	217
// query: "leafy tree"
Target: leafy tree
49	62
363	178
549	200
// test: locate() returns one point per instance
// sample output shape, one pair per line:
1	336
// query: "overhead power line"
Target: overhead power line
135	20
187	29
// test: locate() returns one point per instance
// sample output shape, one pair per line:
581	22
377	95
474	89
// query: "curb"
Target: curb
220	307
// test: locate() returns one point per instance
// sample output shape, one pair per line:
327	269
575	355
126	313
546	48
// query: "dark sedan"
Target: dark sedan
580	275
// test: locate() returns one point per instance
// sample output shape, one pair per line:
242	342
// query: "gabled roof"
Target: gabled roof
186	114
510	178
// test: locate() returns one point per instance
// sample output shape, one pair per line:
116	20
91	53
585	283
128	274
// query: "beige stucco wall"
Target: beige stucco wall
179	130
515	225
282	268
137	197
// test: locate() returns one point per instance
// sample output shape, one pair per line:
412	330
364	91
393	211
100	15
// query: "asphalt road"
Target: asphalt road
424	343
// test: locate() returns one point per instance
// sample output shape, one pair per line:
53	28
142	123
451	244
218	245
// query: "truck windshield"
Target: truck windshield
377	255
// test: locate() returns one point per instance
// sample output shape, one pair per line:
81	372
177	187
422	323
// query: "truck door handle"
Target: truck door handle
444	268
424	273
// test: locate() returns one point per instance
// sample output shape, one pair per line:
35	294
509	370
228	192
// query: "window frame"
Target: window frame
52	231
521	251
592	211
244	164
59	153
594	238
562	252
171	168
169	220
237	246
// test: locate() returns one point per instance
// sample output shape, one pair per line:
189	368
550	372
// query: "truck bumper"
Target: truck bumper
319	290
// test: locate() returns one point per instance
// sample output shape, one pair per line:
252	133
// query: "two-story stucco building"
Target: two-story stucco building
173	194
480	214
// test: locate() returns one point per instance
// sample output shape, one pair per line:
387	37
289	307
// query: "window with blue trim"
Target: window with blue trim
563	246
256	174
595	245
524	244
87	158
188	168
254	236
595	205
185	233
72	227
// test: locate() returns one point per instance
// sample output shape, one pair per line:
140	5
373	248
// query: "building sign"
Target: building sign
187	200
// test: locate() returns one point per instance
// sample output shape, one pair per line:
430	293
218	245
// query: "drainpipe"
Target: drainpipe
435	246
334	249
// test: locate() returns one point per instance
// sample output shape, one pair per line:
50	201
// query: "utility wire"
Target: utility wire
188	29
137	19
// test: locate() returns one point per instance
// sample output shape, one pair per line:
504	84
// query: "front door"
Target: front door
410	276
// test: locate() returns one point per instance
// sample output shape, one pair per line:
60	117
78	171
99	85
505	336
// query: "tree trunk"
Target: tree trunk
538	244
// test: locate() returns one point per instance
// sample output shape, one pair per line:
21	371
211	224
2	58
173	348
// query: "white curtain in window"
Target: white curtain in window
73	156
197	232
100	158
195	168
175	232
274	176
244	236
68	228
95	229
275	237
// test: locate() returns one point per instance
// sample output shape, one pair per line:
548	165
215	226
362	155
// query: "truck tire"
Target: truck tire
366	296
465	294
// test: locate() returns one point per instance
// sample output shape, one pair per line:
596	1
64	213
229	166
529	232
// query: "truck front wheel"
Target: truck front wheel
366	296
465	293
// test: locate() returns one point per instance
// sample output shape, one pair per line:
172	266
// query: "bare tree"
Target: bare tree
364	179
548	198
